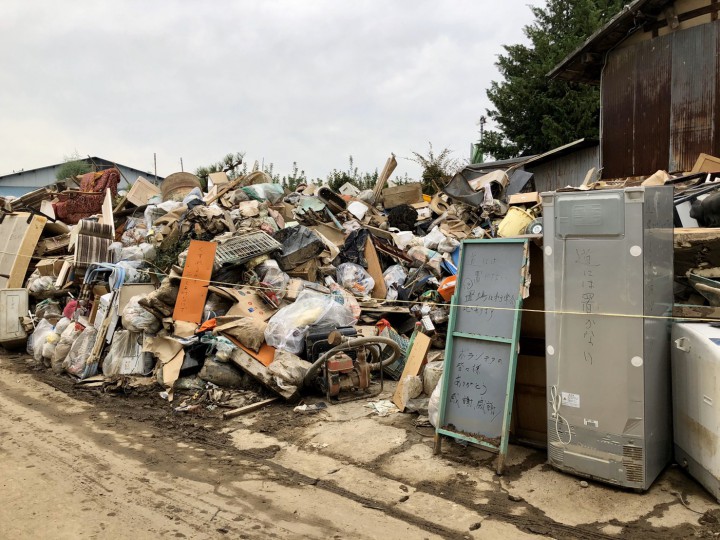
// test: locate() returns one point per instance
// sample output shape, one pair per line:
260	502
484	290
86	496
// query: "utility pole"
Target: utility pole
482	135
181	166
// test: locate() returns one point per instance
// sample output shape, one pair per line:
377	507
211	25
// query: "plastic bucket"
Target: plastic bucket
514	222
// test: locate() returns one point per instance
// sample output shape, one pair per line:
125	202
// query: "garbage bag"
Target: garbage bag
403	217
433	238
431	376
265	192
62	324
223	374
126	356
394	278
299	245
67	338
434	403
353	251
289	367
137	319
41	284
286	330
273	278
42	330
355	278
76	360
48	309
249	332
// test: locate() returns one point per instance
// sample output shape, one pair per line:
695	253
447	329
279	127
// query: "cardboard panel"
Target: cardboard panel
19	235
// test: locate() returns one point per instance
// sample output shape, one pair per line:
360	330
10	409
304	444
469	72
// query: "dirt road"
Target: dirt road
81	464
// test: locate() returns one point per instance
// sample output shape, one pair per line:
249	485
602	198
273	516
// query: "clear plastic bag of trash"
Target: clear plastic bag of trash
41	284
222	346
137	319
355	278
449	245
76	360
126	357
67	338
394	278
42	330
286	330
48	309
272	277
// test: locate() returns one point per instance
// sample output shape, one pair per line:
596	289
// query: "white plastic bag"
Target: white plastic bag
433	238
394	278
125	356
67	338
137	319
431	376
76	360
42	330
434	403
355	278
286	329
290	368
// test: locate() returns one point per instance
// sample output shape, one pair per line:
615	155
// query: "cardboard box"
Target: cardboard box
525	198
49	267
217	179
249	304
405	194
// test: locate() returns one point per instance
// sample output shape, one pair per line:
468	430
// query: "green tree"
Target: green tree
438	168
336	179
535	114
231	164
74	166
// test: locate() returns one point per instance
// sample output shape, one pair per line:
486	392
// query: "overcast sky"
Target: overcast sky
284	81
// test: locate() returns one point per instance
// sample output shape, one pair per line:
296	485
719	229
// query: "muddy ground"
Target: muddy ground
83	463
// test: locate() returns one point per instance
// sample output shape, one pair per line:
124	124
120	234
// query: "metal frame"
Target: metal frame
513	342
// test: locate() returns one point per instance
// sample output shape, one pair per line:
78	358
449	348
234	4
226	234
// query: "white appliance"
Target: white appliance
696	397
13	307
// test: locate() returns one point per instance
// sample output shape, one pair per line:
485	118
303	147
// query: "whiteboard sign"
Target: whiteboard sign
481	349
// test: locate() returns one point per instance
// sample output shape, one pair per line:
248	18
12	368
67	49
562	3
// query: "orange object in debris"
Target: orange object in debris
447	288
190	302
207	325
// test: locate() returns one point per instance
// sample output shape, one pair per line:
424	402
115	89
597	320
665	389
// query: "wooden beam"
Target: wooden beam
248	408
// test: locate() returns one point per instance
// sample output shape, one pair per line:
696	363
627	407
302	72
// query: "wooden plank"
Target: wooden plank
685	311
375	270
413	367
260	373
695	247
248	408
18	240
195	281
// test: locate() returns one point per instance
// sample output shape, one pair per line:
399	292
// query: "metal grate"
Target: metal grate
241	249
556	450
633	463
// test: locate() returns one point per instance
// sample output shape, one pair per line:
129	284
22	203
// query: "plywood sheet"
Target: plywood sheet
141	192
375	270
195	281
19	235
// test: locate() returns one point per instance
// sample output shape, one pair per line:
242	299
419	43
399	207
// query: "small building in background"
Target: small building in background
19	183
657	66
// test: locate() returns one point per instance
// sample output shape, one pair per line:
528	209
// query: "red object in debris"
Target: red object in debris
70	308
76	205
447	288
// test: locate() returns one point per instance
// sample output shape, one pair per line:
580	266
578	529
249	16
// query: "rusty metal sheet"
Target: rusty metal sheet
652	106
694	94
617	99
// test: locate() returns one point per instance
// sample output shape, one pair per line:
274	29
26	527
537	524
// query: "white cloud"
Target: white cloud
311	81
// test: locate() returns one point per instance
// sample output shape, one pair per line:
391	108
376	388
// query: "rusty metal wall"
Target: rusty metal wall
659	103
569	170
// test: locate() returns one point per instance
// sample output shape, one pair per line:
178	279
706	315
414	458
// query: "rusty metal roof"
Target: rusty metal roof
586	62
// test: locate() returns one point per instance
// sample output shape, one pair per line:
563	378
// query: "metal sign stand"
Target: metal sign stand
466	283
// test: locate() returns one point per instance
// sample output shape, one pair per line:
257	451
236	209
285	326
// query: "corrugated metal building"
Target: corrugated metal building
19	183
558	168
658	66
